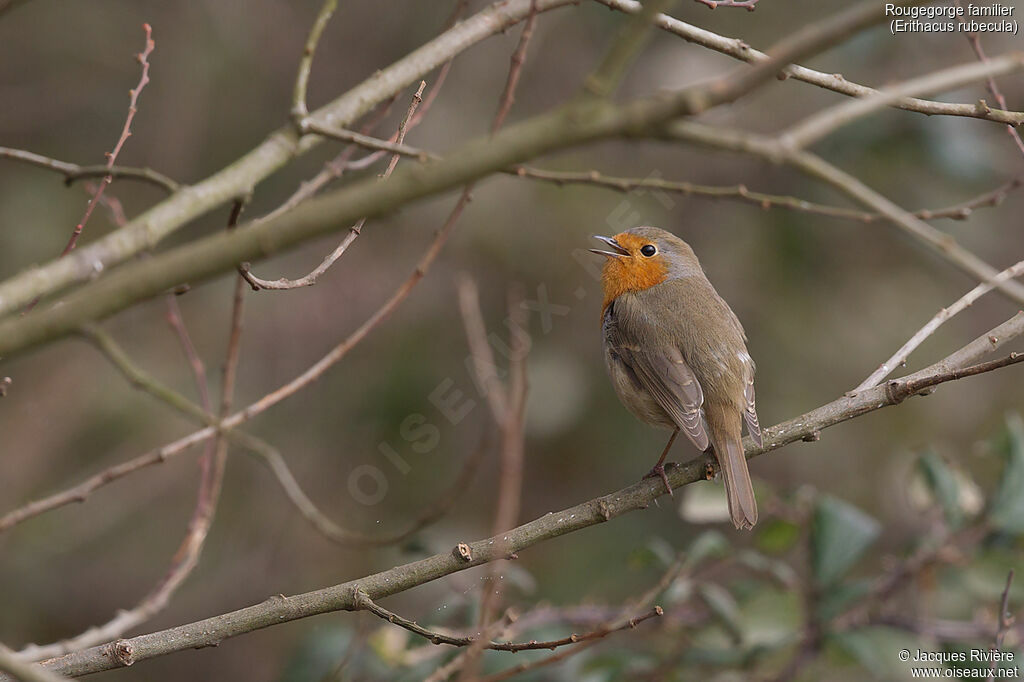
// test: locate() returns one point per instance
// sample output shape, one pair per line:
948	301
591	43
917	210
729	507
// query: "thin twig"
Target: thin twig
742	193
828	120
80	492
508	97
363	602
126	131
1005	623
749	5
299	110
975	41
22	670
900	356
334	168
272	458
812	165
511	422
353	232
738	49
73	171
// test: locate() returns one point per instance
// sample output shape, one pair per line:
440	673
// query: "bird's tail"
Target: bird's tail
725	437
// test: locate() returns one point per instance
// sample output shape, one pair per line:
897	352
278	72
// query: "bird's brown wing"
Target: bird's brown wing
750	412
659	367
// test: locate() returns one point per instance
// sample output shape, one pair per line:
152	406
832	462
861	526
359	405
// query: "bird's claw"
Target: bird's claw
659	472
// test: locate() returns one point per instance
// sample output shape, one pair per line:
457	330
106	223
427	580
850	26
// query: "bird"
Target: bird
676	354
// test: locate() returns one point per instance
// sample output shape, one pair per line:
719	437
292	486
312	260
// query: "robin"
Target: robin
677	354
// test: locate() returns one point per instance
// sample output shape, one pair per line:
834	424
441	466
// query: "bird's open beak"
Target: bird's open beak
616	252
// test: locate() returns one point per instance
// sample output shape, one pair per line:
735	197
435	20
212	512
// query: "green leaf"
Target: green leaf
1007	508
724	607
838	598
839	535
942	484
776	535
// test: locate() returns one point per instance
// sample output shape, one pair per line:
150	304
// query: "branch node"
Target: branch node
604	510
122	651
463	552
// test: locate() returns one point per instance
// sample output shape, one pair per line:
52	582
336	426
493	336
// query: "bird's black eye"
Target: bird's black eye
649	250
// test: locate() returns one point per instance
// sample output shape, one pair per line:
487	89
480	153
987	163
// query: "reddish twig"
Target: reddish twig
353	232
364	603
508	405
990	82
211	477
515	68
143	59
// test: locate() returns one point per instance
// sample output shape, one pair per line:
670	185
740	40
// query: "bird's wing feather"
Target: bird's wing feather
750	413
661	370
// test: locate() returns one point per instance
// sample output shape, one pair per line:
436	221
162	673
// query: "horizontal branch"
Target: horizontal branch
738	49
584	119
72	171
827	121
346	596
744	194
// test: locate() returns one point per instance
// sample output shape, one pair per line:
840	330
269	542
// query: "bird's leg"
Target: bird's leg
659	468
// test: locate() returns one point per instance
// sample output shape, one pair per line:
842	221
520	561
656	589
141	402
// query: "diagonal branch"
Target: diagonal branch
900	356
827	121
738	49
810	164
345	597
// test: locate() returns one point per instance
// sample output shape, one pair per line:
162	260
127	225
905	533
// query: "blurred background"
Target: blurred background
823	301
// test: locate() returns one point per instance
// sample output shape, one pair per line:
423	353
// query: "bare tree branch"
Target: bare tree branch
738	49
353	232
810	164
299	110
10	663
344	597
827	121
900	356
73	171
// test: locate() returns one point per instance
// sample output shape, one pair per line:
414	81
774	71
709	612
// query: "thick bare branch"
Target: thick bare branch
345	597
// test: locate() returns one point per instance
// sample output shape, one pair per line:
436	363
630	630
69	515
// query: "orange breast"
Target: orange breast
630	273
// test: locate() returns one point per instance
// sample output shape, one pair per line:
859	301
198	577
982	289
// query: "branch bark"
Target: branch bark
346	596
